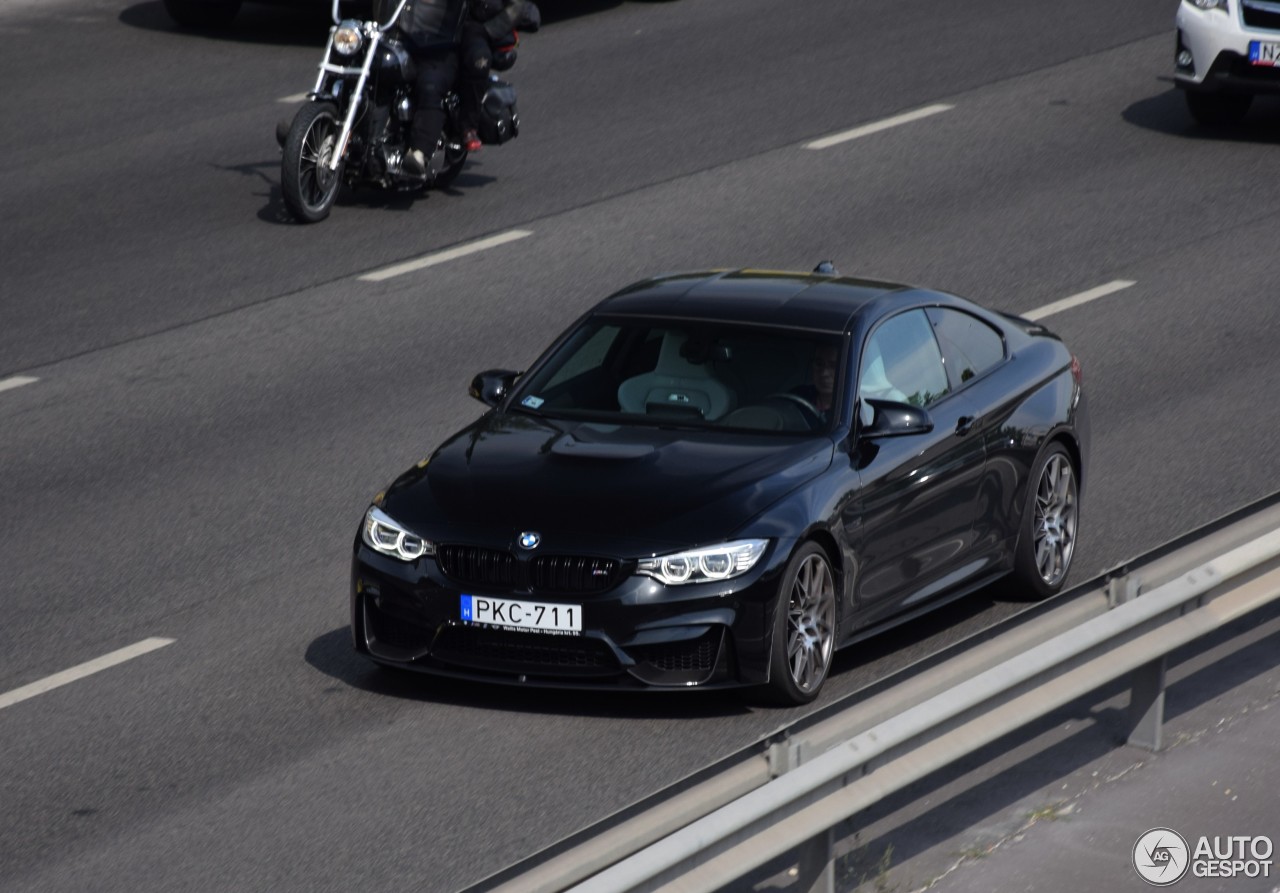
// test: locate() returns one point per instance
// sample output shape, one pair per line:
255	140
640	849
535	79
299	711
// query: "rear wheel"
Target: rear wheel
1047	540
804	628
309	186
452	158
202	13
1218	109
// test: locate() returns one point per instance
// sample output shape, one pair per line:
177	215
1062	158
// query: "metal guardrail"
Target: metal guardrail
786	793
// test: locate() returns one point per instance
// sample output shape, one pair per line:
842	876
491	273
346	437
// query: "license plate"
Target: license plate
508	613
1264	53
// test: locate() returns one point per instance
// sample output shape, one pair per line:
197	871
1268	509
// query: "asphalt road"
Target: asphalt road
218	396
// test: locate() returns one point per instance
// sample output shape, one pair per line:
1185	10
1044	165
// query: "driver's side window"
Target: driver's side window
902	362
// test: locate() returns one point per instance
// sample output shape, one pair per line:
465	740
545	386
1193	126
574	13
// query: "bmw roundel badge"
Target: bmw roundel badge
529	540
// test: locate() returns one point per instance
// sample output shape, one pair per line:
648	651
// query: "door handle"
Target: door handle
964	425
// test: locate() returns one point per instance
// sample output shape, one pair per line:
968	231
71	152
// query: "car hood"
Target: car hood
628	489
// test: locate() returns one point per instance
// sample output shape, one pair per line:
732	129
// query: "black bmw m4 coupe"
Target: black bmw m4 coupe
717	479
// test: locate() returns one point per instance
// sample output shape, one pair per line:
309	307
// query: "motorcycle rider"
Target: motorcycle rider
431	29
433	33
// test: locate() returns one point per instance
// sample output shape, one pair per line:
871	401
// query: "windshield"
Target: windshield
699	374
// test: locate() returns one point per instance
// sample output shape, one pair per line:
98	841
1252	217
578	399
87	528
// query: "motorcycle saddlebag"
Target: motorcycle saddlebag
498	119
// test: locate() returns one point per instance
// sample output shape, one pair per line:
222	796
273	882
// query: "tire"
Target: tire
309	187
804	628
452	165
1218	109
1047	533
202	14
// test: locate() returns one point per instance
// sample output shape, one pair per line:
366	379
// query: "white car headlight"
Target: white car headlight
704	565
382	534
346	40
1209	4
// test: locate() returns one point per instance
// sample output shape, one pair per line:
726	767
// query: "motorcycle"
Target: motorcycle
354	127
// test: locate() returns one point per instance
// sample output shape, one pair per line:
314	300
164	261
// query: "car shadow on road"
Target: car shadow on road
255	23
306	23
853	668
1166	113
333	655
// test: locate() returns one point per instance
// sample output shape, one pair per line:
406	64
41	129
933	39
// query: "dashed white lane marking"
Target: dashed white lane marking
295	98
1076	300
17	381
8	699
440	257
897	120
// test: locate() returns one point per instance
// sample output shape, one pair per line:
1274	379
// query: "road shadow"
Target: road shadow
305	25
333	655
1166	113
875	658
306	22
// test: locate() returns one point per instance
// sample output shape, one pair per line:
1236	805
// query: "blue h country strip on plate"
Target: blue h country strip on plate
467	608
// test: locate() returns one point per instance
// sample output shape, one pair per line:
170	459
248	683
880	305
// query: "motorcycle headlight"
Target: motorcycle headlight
721	562
382	534
346	40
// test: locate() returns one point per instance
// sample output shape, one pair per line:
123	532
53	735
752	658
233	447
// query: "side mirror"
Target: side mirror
492	386
893	419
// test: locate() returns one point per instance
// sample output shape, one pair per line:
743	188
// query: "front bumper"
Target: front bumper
638	634
1219	45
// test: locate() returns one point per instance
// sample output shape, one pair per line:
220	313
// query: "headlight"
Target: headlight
1209	4
384	535
703	565
346	40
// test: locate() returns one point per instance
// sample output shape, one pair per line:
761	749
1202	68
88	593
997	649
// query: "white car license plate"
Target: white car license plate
1264	53
512	614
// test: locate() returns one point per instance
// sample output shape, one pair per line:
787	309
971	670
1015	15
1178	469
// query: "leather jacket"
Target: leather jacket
432	24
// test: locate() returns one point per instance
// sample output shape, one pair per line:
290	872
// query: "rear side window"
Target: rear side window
969	346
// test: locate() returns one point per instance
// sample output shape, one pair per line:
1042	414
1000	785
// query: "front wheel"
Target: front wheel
1047	540
308	184
804	628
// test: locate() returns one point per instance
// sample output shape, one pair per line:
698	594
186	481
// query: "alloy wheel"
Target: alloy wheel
811	613
1055	520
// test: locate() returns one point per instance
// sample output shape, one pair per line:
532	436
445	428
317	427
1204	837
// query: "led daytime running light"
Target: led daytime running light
704	565
382	534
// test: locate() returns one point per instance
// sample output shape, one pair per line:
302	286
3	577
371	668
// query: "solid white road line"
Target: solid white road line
906	118
8	699
1076	300
8	384
295	98
440	257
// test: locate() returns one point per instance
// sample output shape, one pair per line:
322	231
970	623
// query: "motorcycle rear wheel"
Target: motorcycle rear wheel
453	158
309	186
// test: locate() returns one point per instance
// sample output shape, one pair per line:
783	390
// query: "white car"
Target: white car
1227	52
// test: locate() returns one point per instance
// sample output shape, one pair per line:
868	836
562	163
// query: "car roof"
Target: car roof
763	297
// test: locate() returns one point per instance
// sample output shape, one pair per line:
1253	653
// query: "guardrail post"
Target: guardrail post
1146	706
816	871
1123	589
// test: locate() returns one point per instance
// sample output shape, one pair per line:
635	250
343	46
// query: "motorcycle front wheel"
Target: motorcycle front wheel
309	186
